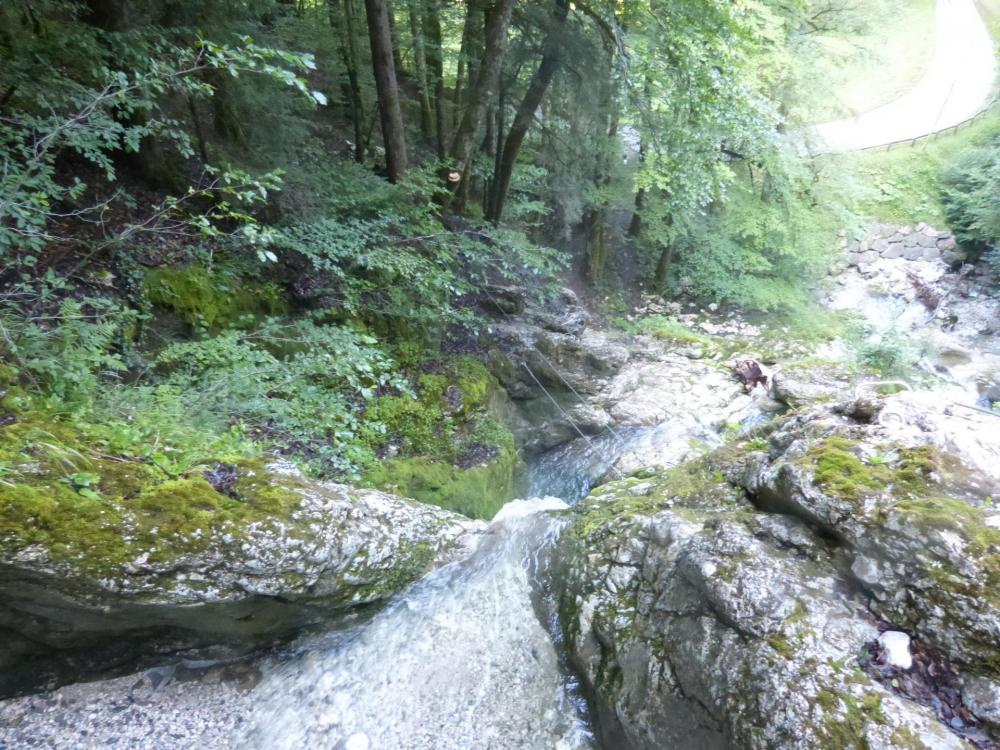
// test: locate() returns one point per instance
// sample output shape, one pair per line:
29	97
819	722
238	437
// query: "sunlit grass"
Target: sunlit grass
903	185
876	69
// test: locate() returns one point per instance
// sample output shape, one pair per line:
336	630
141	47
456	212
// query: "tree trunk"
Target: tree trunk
491	193
385	84
435	67
526	111
420	58
349	52
468	55
635	226
481	92
662	267
109	15
598	250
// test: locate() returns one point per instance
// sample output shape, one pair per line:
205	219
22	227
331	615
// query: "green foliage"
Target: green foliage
67	346
381	252
888	354
971	195
161	425
102	95
762	244
299	386
910	183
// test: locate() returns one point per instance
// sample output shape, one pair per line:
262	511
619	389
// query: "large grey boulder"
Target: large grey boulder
914	517
70	610
727	603
552	366
697	622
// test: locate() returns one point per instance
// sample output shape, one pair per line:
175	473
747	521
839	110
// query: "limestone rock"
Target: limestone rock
698	622
242	586
809	382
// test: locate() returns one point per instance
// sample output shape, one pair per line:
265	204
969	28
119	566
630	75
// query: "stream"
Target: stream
462	659
467	657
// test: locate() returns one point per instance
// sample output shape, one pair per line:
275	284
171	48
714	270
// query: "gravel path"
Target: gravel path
958	81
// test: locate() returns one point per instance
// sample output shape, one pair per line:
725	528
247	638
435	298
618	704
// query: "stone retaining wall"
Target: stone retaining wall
923	243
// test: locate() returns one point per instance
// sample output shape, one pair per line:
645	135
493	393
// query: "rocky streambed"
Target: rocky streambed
811	565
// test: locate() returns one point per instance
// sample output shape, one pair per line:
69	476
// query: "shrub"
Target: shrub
299	386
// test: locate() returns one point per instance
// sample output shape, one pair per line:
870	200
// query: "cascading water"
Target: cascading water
459	660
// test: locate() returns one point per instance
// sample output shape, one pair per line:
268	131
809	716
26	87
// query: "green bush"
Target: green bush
67	346
299	386
971	195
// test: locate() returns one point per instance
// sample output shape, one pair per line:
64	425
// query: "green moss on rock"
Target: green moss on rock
97	512
690	489
447	450
212	299
845	718
478	492
840	471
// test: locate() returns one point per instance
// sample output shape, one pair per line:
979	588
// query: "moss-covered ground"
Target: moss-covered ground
211	298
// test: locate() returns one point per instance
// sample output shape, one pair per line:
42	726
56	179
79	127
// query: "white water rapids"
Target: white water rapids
460	660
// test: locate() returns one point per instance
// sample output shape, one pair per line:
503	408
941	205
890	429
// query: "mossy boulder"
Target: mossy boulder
105	559
477	491
698	621
208	298
443	445
917	524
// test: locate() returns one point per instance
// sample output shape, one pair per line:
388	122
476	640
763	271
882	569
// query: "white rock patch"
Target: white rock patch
897	648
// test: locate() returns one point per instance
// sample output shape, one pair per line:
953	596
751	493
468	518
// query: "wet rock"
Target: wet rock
509	300
864	409
560	353
652	393
810	382
905	500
